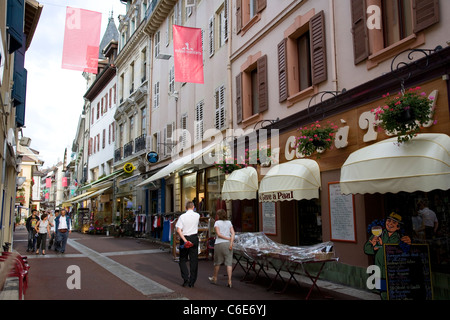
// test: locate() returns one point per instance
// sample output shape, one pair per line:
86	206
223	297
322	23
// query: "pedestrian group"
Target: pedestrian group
55	226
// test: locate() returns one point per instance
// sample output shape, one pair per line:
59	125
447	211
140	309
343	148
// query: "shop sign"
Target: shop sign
276	196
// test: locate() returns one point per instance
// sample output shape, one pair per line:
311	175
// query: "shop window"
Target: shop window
302	57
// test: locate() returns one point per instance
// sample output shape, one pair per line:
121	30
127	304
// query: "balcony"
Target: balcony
118	154
128	149
139	143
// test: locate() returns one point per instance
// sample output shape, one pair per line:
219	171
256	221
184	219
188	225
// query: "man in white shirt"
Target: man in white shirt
63	227
429	219
187	229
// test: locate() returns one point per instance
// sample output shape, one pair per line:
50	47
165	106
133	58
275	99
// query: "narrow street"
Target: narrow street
139	269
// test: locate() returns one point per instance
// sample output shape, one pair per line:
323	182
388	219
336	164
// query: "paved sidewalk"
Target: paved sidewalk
127	261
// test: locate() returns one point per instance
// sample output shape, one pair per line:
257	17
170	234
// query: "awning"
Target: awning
294	180
68	203
177	165
421	164
93	194
106	178
241	184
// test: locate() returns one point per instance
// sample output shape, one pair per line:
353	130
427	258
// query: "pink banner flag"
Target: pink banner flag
48	183
81	40
47	195
64	181
188	54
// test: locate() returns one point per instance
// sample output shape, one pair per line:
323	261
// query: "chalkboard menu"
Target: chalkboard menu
408	272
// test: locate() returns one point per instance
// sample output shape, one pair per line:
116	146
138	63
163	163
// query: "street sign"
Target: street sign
152	157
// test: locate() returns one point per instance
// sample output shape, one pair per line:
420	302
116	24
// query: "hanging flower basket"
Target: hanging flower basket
227	166
405	114
261	156
316	138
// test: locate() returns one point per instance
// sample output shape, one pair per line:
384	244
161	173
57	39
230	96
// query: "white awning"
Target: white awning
241	184
294	180
421	164
177	165
68	203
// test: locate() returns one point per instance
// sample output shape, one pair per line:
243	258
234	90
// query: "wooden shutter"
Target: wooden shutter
15	22
282	71
262	84
318	48
425	14
238	16
239	98
260	5
359	30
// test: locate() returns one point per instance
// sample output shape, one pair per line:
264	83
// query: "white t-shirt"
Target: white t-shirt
188	223
224	228
428	216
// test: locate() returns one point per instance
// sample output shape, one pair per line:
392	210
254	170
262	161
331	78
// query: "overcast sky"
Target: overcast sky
55	95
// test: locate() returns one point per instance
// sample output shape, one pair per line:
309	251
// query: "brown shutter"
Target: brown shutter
425	14
238	16
260	5
282	71
318	48
359	30
262	84
239	98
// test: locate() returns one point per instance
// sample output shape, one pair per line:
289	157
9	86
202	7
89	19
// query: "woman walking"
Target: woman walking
223	247
43	230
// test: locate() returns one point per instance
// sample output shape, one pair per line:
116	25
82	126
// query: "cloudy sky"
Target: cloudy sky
55	95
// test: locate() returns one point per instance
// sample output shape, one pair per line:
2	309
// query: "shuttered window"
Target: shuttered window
199	121
359	31
220	115
318	48
425	14
307	65
14	22
262	84
239	111
243	17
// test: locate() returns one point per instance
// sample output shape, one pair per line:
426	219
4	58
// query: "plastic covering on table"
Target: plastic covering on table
256	245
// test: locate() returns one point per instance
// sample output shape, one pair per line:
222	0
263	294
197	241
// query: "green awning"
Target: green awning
106	178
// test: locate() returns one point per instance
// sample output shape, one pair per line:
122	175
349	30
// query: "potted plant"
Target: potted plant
405	113
316	138
261	156
228	165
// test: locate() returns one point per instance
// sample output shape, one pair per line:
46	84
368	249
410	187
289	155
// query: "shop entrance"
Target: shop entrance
309	222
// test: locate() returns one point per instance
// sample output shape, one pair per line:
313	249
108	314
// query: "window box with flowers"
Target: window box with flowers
228	165
404	114
316	138
261	156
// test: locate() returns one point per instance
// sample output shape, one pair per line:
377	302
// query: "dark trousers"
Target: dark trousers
41	241
190	275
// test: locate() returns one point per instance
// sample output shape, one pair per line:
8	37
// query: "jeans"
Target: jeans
190	275
41	241
61	240
31	240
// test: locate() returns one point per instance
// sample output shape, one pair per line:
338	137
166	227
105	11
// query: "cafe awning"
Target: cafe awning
177	165
422	164
241	184
294	180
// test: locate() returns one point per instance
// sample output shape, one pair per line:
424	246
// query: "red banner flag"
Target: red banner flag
188	54
48	183
64	181
81	40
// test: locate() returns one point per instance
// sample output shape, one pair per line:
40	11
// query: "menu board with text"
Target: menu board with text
342	214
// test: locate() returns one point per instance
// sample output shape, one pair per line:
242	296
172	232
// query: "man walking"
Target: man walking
63	227
187	229
30	225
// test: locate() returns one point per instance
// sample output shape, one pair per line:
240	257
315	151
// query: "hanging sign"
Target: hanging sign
152	157
188	54
128	167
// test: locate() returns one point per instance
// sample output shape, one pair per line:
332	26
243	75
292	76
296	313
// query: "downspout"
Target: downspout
229	72
333	46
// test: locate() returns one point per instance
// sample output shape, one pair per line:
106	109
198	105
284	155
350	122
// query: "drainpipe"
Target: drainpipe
229	72
333	46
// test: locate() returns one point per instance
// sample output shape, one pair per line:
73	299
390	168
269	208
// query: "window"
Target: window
211	36
223	24
199	121
143	65
220	114
401	20
183	126
157	40
121	130
122	85
247	12
132	77
156	142
104	139
98	110
251	88
156	95
143	120
131	127
168	141
307	64
172	79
